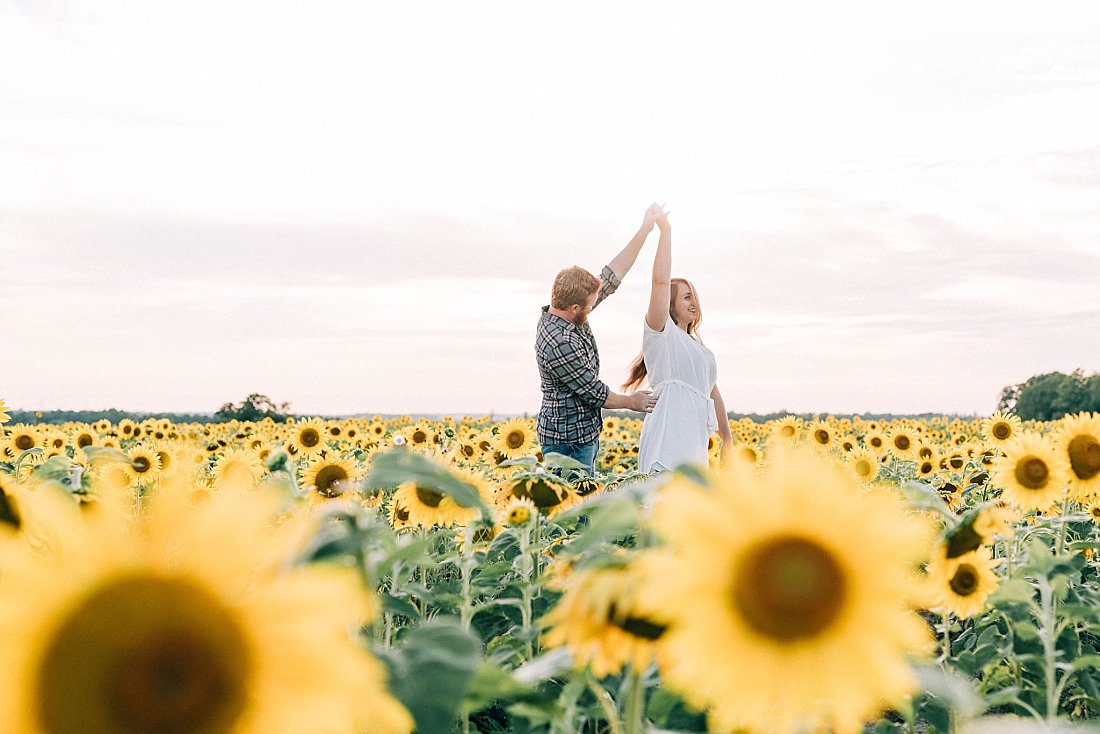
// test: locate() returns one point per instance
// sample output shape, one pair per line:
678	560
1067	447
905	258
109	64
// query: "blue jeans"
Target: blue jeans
582	452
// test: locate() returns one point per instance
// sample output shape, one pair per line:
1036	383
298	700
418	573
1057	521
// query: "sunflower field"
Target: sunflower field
397	575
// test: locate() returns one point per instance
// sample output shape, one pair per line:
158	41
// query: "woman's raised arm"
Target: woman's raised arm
660	293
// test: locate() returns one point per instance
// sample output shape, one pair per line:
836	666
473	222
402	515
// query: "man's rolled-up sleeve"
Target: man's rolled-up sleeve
566	365
609	283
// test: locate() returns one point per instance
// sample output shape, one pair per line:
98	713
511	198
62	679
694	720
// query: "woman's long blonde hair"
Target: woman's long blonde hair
638	373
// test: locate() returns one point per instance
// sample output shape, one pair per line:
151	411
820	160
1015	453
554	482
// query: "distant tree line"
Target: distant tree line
1052	395
255	407
57	417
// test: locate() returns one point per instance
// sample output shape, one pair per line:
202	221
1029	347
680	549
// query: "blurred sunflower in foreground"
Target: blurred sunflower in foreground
782	588
603	621
184	620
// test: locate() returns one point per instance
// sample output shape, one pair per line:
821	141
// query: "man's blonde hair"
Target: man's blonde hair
573	286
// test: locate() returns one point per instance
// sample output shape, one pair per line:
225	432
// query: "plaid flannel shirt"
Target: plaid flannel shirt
569	371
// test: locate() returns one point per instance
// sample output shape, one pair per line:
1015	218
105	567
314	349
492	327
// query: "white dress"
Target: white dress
682	372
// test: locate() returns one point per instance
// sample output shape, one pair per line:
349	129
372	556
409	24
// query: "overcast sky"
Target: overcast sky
360	207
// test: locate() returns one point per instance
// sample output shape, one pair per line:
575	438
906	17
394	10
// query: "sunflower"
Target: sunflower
788	428
585	486
330	477
747	453
1000	428
953	461
902	442
240	467
420	436
467	450
772	617
516	438
1078	441
518	511
603	619
54	441
1093	511
875	441
143	466
546	491
961	585
308	439
23	438
4	415
126	428
927	467
821	435
83	436
186	623
1030	473
484	486
864	464
424	506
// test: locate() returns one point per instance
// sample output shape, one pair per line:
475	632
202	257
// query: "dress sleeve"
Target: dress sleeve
648	330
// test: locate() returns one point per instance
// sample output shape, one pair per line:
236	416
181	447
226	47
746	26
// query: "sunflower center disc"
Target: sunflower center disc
310	438
8	513
1032	472
789	589
515	439
902	442
141	464
965	580
821	436
329	480
428	496
542	493
145	655
1084	457
1001	431
24	442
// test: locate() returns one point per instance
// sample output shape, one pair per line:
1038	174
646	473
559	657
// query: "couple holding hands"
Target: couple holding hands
683	404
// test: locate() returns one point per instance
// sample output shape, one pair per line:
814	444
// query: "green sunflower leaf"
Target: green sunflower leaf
397	466
431	672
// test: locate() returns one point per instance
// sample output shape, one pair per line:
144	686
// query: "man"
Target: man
569	363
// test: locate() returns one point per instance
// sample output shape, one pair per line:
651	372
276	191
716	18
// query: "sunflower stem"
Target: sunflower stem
1011	555
525	590
603	698
945	623
1062	527
467	567
1050	638
634	710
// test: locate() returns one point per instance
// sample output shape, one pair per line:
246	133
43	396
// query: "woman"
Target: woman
681	371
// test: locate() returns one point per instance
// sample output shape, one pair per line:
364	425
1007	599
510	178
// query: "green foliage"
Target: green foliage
115	416
1052	395
254	408
431	671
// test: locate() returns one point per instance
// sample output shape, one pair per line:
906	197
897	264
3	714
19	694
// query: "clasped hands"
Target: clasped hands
655	214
